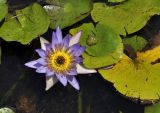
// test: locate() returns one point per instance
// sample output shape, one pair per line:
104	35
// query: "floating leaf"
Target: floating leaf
116	0
137	42
64	13
3	9
137	78
28	24
103	45
153	109
129	16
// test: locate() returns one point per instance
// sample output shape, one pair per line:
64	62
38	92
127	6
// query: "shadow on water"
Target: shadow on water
24	90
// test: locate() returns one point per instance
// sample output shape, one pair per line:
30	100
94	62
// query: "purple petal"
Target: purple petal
72	72
41	52
77	50
42	61
48	48
41	69
78	59
69	78
59	34
49	73
80	51
66	40
62	79
31	64
38	65
74	48
54	40
74	83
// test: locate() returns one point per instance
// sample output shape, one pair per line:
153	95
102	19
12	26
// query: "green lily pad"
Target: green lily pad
3	9
103	46
65	13
138	78
28	24
153	109
116	0
137	42
129	16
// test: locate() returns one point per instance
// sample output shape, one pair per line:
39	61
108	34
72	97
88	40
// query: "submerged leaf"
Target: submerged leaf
137	42
28	24
153	109
3	9
65	13
103	46
129	16
139	78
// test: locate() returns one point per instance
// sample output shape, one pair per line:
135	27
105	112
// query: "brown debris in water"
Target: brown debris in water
26	105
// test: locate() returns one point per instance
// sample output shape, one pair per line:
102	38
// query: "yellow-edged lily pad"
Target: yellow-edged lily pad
138	78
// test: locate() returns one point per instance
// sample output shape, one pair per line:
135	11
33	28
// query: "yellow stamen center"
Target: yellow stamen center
60	61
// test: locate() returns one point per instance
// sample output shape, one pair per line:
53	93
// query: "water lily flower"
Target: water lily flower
60	60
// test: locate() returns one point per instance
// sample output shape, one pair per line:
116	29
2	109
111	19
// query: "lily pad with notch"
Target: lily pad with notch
127	17
28	24
103	46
